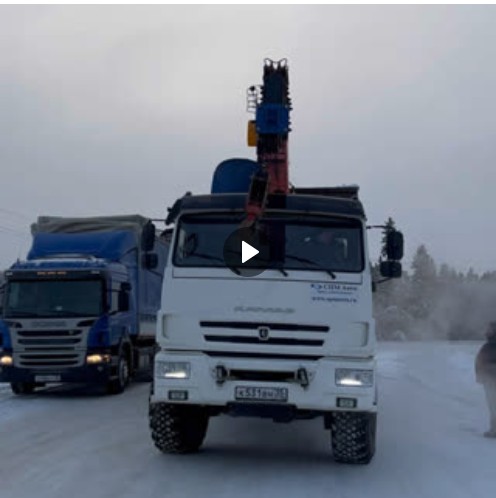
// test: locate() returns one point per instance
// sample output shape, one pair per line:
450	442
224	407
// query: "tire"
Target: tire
119	384
353	437
146	375
149	374
178	428
21	388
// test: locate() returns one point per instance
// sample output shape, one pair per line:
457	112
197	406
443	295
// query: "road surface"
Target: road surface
75	442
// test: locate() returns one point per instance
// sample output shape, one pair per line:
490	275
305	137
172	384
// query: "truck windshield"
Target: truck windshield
297	242
53	298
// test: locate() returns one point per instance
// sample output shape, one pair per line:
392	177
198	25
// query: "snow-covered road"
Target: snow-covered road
78	443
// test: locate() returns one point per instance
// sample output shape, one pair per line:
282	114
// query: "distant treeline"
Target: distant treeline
434	302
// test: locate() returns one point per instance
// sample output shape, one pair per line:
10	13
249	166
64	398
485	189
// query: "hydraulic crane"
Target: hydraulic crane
269	133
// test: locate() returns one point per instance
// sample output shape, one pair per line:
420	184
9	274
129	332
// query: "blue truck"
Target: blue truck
82	307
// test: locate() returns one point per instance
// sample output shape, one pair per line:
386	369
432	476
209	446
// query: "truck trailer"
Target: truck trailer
82	307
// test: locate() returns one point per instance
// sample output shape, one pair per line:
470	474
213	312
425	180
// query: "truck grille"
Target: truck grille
49	349
264	356
277	341
265	336
288	327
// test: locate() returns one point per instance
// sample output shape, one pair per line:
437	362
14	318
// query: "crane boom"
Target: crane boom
272	125
269	133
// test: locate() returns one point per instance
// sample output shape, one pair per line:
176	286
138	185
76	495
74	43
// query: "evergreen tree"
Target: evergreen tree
423	267
388	226
447	275
472	276
423	285
444	273
488	276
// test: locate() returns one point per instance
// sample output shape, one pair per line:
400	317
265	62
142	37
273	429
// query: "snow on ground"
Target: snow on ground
77	442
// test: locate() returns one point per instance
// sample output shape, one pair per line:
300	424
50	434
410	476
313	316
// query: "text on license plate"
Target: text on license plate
47	378
279	394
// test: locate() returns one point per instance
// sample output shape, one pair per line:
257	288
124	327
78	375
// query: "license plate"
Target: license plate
253	393
47	378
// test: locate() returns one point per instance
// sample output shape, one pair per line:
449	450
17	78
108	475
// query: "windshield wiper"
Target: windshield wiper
20	314
213	258
205	256
281	269
310	262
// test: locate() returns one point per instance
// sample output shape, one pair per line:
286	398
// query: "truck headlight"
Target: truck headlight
6	361
173	369
93	359
350	377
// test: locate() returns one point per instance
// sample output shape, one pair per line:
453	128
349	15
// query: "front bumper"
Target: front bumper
321	394
91	374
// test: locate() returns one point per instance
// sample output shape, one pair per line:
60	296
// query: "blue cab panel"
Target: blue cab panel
233	176
106	245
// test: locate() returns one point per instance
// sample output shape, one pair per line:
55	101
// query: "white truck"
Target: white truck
287	335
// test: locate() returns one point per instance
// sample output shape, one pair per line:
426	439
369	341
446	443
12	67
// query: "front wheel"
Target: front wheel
117	385
353	437
22	387
178	428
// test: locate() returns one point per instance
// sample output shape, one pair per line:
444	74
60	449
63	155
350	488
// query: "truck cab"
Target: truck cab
82	307
294	338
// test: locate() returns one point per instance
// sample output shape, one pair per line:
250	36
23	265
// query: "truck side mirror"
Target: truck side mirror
123	298
148	237
149	260
394	245
390	269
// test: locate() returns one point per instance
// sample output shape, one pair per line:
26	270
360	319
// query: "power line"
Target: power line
16	233
15	213
14	229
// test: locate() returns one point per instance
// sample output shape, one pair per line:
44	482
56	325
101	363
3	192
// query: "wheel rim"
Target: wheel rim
123	372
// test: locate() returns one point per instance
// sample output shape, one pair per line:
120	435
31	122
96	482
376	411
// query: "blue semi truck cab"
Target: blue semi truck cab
82	307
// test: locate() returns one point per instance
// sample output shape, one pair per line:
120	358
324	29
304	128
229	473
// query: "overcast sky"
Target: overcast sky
121	109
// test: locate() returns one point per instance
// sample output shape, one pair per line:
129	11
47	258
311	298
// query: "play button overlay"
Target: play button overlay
246	252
